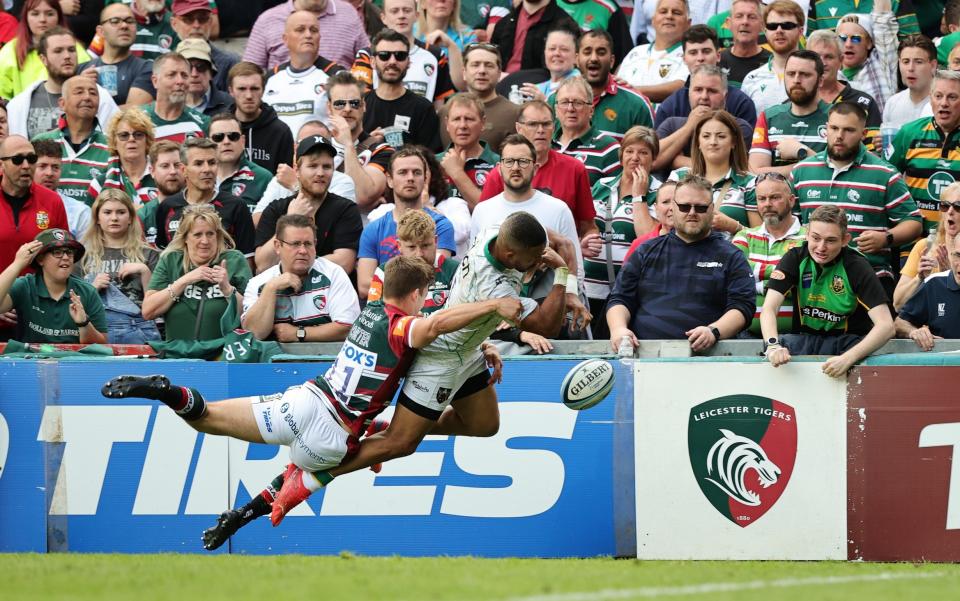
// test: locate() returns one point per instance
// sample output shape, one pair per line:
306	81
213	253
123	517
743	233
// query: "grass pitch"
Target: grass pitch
214	578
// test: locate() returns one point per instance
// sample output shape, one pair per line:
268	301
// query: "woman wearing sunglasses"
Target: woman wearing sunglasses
719	154
130	134
931	255
52	304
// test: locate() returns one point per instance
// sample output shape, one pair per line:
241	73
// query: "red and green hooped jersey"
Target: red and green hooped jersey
366	373
80	166
439	290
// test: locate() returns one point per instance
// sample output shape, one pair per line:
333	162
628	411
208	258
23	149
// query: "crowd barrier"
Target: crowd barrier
688	458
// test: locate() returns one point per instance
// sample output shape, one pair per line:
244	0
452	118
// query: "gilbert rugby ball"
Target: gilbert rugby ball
588	383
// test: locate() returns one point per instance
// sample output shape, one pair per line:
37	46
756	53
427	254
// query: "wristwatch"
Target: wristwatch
889	240
716	334
301	334
802	153
771	342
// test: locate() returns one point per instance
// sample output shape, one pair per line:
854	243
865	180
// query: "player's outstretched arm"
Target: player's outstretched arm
428	329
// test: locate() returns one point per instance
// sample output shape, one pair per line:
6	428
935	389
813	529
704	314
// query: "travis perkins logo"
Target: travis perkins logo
742	450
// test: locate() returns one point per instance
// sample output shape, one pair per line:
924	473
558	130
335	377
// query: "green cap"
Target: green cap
57	238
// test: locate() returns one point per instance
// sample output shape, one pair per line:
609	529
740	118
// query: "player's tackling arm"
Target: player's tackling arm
548	317
427	329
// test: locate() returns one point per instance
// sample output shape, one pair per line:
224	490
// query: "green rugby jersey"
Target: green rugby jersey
599	153
595	14
155	36
778	122
735	194
438	292
615	222
115	178
248	182
476	168
190	123
929	159
826	14
79	167
870	190
617	109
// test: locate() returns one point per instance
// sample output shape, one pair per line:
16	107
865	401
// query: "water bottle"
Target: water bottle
515	96
625	350
887	132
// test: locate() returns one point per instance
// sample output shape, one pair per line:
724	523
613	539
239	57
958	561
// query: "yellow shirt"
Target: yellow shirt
14	80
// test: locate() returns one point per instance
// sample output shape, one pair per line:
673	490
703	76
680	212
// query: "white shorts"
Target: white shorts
431	385
302	419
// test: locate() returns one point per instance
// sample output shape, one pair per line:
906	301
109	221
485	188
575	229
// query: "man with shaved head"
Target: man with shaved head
85	150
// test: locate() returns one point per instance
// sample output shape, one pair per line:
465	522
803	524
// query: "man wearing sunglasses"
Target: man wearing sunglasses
783	21
869	59
118	30
690	284
202	96
198	19
236	173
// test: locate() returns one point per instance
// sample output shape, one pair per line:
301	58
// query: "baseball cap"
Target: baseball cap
182	7
57	238
311	143
865	21
196	48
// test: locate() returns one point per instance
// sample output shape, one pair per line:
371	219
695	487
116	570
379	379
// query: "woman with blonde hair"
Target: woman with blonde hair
926	258
130	133
197	274
442	16
119	264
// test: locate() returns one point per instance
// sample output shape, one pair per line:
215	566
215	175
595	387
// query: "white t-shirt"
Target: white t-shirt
298	97
765	87
326	293
645	66
900	109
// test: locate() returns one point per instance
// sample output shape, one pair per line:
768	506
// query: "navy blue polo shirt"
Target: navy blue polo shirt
936	305
677	104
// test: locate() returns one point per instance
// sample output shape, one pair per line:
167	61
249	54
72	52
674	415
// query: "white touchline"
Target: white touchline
723	587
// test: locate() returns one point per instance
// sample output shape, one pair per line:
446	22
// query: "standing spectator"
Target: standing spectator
521	36
657	69
931	312
557	174
197	19
236	173
442	16
297	89
841	307
269	140
118	29
468	159
199	158
52	305
304	298
130	134
155	34
338	220
918	63
783	20
8	26
119	264
764	245
47	174
560	60
343	34
690	284
370	14
36	110
827	14
202	96
870	53
602	14
85	150
745	54
577	136
195	277
170	115
20	63
882	214
794	130
166	169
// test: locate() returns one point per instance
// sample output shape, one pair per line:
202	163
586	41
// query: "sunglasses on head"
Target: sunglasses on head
684	207
20	158
342	104
854	39
232	136
947	205
384	55
786	26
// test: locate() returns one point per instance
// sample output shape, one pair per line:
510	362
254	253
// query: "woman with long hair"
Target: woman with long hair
20	63
197	274
130	133
442	16
719	154
119	264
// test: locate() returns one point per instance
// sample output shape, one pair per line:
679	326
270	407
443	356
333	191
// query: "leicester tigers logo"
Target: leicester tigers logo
742	452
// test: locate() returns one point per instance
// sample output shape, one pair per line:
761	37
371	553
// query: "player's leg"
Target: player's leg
473	411
232	520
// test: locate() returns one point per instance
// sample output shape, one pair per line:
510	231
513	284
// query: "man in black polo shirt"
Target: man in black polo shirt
338	220
934	310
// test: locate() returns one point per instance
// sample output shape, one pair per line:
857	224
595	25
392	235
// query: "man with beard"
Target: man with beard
794	130
167	177
764	245
85	150
390	103
117	29
783	20
155	34
170	115
690	284
879	207
269	140
841	307
36	110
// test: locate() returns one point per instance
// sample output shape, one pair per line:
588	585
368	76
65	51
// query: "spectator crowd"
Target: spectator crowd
771	169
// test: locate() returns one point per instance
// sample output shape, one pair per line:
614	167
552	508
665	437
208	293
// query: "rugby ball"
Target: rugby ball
588	383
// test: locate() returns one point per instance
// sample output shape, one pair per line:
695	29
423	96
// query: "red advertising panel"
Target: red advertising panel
904	477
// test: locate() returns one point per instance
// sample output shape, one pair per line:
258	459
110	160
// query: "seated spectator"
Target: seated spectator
20	63
438	17
407	179
269	140
155	34
932	254
841	306
467	159
119	264
52	305
171	116
130	135
196	275
85	151
578	137
560	59
621	203
604	16
199	165
36	110
417	237
47	174
118	29
202	95
870	53
521	36
199	19
764	245
690	284
657	70
744	53
236	173
720	155
304	298
662	212
166	169
337	219
932	312
557	174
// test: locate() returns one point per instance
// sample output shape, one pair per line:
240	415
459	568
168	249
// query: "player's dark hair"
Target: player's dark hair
294	220
849	108
402	275
699	34
522	231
